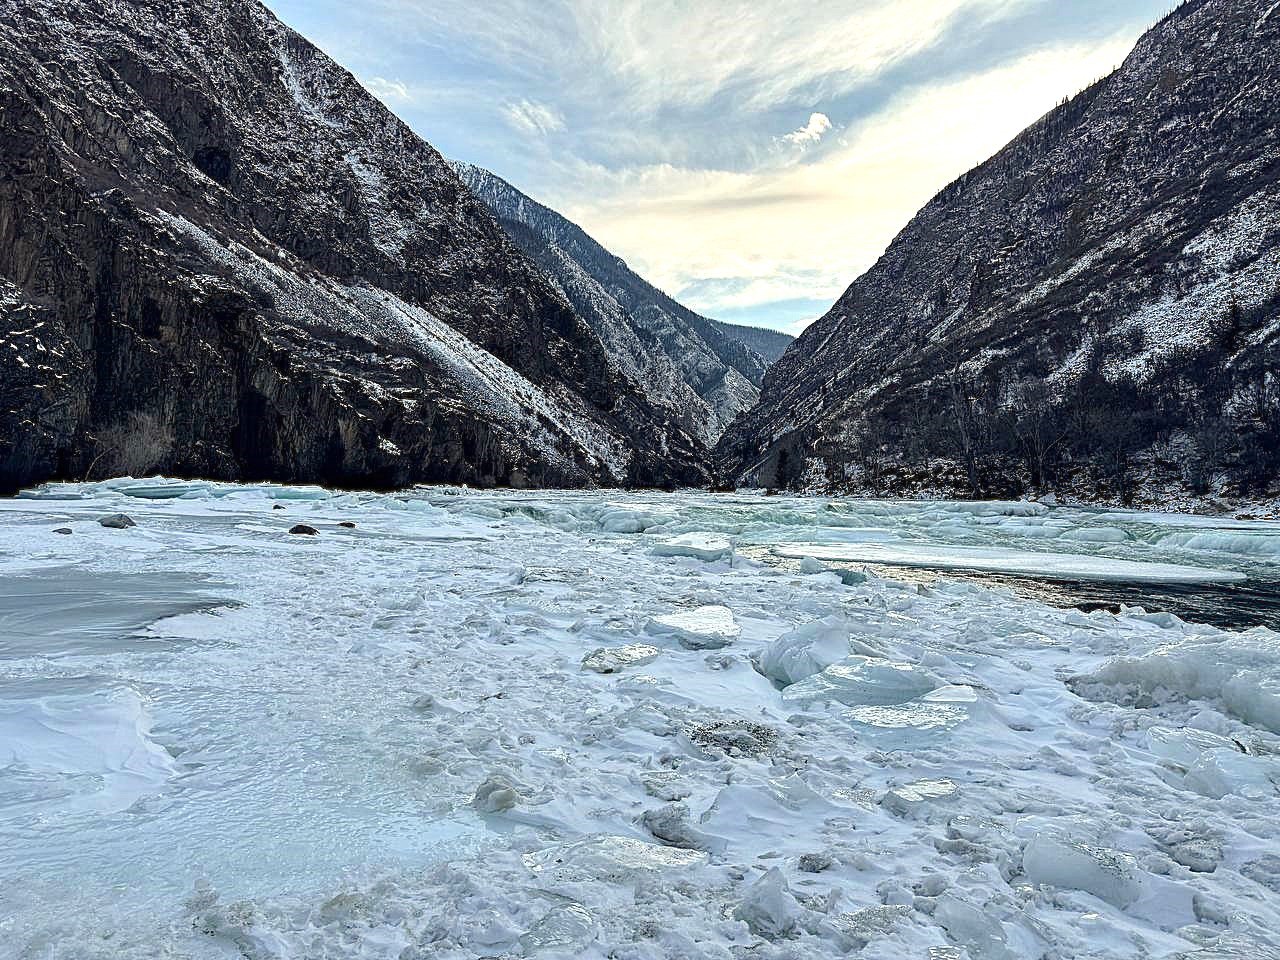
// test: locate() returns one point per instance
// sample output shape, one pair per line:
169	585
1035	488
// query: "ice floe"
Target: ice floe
699	546
1065	566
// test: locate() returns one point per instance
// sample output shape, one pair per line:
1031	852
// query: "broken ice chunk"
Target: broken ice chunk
1240	669
912	799
564	930
706	628
1224	771
863	926
906	726
613	659
806	650
1063	862
700	546
981	934
859	681
850	578
496	794
670	824
1186	745
769	908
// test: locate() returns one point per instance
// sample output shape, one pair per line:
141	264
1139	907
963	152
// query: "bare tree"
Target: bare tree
1038	430
134	445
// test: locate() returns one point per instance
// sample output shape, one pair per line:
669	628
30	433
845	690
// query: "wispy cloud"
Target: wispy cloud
805	232
676	132
388	91
534	118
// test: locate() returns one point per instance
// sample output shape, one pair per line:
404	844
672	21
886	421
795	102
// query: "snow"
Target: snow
217	740
66	731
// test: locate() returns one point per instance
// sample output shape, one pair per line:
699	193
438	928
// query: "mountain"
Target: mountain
1095	309
221	256
685	361
770	344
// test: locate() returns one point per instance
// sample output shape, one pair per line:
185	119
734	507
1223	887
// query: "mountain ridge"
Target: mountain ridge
1076	273
690	362
194	194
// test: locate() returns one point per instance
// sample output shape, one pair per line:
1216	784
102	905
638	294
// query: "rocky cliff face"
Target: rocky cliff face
1097	304
220	256
684	361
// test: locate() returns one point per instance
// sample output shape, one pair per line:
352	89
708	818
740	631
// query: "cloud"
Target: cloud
665	54
811	132
534	118
669	129
805	232
388	91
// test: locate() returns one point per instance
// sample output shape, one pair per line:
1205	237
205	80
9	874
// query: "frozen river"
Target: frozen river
489	724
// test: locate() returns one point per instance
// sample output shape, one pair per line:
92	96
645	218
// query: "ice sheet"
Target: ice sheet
217	740
1063	566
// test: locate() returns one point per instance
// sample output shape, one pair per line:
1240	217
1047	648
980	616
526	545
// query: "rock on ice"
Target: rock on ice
706	628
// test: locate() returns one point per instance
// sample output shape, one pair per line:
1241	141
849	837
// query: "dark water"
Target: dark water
1253	603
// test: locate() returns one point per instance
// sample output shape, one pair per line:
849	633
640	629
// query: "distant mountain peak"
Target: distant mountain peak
710	372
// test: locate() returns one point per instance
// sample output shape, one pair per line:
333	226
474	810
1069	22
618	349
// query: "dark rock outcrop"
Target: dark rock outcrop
691	364
1098	304
220	256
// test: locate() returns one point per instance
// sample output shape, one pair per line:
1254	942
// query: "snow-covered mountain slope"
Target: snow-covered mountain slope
220	256
1097	303
770	344
688	362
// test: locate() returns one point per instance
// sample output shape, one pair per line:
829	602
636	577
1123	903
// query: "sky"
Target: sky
749	157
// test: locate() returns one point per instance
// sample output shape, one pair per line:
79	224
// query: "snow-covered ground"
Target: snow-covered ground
620	725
